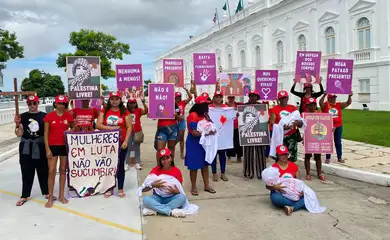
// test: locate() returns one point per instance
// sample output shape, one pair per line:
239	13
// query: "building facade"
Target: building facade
268	33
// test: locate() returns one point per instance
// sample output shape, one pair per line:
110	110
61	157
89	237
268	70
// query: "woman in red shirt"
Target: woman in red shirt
115	116
85	116
135	147
307	93
287	169
335	108
56	123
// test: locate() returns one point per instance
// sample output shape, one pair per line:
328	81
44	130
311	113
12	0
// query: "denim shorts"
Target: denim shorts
182	125
168	133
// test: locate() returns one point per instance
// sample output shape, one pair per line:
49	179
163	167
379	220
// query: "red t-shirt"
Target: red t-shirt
166	122
192	117
182	106
282	112
136	119
84	117
336	112
113	118
57	127
304	101
174	172
289	172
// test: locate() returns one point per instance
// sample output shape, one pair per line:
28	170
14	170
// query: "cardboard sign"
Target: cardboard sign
253	125
318	137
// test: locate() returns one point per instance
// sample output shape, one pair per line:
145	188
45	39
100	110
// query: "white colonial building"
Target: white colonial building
267	34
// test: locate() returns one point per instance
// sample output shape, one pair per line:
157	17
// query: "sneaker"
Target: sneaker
138	166
127	167
148	212
178	213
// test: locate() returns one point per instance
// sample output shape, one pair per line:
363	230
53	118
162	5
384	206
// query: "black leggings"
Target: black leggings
237	149
28	167
121	168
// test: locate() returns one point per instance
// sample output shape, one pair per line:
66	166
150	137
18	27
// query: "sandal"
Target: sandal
63	200
308	177
194	192
215	178
49	204
341	160
322	178
108	194
224	178
288	210
121	195
54	198
210	190
21	202
327	161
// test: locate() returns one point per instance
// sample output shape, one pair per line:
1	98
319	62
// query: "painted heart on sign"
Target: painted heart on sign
266	91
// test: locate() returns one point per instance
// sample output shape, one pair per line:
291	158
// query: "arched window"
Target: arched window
330	41
258	56
230	61
302	43
279	47
243	60
364	33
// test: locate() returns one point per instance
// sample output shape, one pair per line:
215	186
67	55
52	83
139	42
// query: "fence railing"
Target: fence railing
7	115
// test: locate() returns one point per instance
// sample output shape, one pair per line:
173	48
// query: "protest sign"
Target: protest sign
205	70
223	120
235	84
173	70
253	125
161	101
83	74
267	84
308	67
339	78
318	137
94	103
129	79
92	161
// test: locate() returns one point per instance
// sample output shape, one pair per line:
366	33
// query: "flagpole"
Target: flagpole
216	11
230	16
243	9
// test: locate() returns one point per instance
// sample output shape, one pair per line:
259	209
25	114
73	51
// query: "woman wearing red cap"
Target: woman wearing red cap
56	123
218	103
182	124
287	169
135	144
254	156
195	159
115	116
32	154
237	149
308	93
85	116
169	206
291	138
335	108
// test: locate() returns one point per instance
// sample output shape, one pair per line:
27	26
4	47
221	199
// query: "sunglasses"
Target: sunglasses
32	103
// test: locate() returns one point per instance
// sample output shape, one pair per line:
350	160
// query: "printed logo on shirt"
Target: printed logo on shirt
287	175
334	112
113	120
33	127
65	121
284	113
132	117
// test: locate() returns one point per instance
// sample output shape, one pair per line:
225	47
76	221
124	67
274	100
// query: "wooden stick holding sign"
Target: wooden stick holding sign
16	94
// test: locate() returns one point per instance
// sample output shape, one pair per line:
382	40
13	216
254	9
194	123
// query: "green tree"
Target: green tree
91	43
104	87
45	86
146	87
9	47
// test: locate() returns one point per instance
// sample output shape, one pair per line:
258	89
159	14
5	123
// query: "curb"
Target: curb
9	153
351	173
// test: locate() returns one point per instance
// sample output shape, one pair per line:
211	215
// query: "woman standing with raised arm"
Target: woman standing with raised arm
306	94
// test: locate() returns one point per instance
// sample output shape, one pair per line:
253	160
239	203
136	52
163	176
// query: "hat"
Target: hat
132	100
307	85
281	150
218	93
61	99
32	98
115	94
255	92
205	94
177	94
331	95
164	152
201	99
311	100
282	94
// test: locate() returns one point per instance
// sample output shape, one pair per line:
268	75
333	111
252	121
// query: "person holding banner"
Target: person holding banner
32	154
195	159
237	149
137	134
306	94
85	116
116	116
56	123
182	124
335	109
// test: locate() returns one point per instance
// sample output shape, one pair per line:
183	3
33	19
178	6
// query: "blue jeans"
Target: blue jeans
278	200
222	162
168	133
338	133
164	205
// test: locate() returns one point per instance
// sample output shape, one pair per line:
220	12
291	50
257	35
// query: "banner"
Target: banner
318	137
93	103
308	67
223	119
253	125
173	70
129	79
235	84
92	161
161	101
205	69
83	74
267	84
339	78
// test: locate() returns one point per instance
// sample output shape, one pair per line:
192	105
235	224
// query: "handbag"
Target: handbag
299	136
139	137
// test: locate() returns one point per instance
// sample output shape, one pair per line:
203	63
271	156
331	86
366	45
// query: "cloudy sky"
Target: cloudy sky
151	27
